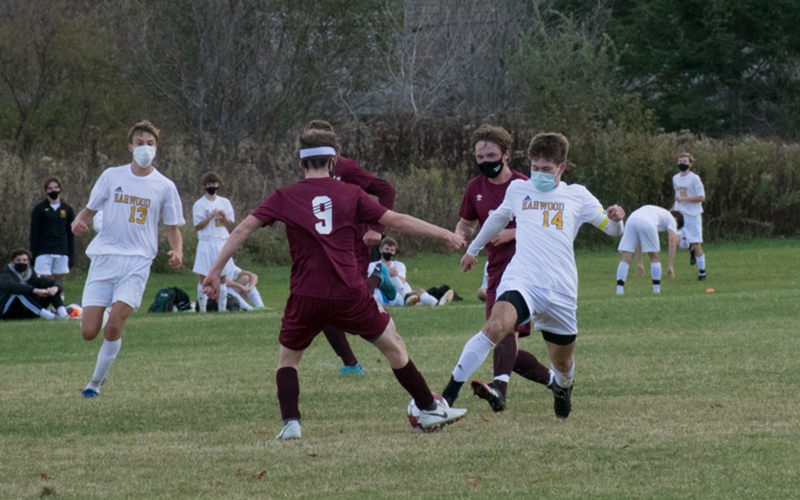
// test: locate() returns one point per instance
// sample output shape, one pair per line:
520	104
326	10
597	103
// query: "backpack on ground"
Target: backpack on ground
170	300
212	306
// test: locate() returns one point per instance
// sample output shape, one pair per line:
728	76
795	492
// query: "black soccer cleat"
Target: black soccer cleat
701	277
692	258
490	393
562	400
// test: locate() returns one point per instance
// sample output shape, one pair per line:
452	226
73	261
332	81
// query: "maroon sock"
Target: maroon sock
373	282
529	367
288	392
338	340
505	355
413	382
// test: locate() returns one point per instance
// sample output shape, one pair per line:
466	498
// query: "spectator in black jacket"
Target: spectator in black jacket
52	241
24	295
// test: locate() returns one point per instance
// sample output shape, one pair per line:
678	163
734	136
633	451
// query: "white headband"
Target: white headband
321	151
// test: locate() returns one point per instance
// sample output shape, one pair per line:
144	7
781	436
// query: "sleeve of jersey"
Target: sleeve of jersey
593	212
701	190
99	193
230	214
172	211
198	214
492	226
269	211
468	211
369	212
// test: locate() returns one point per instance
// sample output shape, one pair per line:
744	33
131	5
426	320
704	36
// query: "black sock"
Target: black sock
450	392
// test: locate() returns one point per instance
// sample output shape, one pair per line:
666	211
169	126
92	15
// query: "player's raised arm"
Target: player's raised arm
610	221
412	225
235	240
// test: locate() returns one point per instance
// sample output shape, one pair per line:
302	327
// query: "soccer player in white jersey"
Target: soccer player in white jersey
213	220
641	233
133	198
540	283
689	197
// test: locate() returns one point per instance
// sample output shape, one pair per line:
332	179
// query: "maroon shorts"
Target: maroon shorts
304	317
491	297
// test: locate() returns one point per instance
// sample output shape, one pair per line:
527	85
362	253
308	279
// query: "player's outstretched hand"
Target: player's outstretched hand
372	238
671	273
455	241
79	227
211	286
640	270
175	259
468	262
615	213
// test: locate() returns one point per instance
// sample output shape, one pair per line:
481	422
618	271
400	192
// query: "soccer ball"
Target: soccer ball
75	311
413	411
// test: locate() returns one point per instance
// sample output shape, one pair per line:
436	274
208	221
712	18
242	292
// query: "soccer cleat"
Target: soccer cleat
290	431
352	370
387	286
446	298
692	258
562	403
701	277
89	393
412	300
433	420
490	393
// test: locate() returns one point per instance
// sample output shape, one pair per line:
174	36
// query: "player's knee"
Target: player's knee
89	332
482	294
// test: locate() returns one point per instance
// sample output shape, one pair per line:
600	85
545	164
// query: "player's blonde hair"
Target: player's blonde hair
490	133
388	241
550	146
687	155
316	138
143	126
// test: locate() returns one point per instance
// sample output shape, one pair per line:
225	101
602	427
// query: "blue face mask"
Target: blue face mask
543	182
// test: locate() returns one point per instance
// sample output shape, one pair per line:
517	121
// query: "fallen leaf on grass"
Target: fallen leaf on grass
483	418
216	483
260	474
313	455
717	405
675	453
45	476
693	457
315	344
627	447
240	472
46	492
474	480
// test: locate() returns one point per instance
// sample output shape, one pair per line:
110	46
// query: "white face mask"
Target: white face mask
144	155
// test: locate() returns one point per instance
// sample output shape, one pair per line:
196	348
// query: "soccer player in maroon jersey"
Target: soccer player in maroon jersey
492	148
350	171
322	216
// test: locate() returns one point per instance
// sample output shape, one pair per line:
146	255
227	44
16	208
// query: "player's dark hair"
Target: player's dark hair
211	177
315	138
20	251
550	146
678	218
143	126
388	241
319	125
490	133
49	180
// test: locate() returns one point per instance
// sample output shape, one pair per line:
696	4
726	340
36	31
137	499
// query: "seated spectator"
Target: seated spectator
242	284
25	295
397	271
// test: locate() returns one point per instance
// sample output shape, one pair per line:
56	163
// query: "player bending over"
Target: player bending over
322	217
641	233
540	283
133	198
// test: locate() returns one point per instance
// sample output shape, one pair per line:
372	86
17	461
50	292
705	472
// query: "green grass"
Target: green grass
687	394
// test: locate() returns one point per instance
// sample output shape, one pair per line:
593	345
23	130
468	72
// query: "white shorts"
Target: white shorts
551	311
693	228
49	264
207	253
399	300
638	231
116	277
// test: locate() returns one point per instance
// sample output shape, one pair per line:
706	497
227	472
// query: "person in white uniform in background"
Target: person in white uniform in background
689	198
213	220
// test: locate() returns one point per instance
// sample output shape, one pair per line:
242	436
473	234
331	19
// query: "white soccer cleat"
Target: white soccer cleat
432	420
290	431
447	297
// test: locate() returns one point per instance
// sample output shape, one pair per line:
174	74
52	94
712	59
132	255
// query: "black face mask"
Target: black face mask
211	190
53	194
387	255
684	167
491	169
21	268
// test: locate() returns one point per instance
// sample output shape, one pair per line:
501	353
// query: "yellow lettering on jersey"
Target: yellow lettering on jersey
132	200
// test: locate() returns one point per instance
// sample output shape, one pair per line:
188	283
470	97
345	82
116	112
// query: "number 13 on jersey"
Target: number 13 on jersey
323	210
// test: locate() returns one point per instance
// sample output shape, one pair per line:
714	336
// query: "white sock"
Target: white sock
62	312
655	273
503	378
701	264
428	299
622	275
44	313
105	358
223	298
244	305
255	298
202	299
561	378
472	357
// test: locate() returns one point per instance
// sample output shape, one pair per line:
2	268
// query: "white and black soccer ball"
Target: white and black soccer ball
75	311
413	411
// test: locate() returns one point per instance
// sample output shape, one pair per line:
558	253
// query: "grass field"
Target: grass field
686	394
